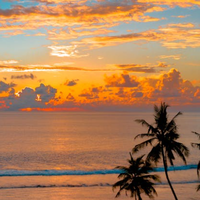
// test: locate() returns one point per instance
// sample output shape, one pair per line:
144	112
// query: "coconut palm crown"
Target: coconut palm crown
162	136
136	179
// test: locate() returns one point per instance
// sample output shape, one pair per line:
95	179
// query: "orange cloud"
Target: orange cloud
92	93
73	13
171	36
142	68
62	34
48	68
181	16
181	3
120	91
124	80
175	57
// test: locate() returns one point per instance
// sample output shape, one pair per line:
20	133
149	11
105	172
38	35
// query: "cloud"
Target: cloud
72	33
70	97
168	85
92	93
171	36
54	15
62	1
50	14
49	68
162	65
181	3
121	91
148	68
5	87
65	51
24	76
137	94
71	83
136	68
181	16
28	98
8	62
124	80
46	92
175	57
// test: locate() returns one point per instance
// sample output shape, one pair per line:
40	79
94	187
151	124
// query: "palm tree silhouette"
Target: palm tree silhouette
136	178
197	145
163	136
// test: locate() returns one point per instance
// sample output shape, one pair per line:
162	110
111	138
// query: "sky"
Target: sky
98	55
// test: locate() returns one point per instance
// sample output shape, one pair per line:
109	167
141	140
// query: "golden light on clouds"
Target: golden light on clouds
72	55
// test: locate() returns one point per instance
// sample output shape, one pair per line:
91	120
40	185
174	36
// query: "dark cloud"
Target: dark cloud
24	76
71	83
92	93
48	68
4	87
137	94
137	68
46	92
121	93
124	80
70	97
28	98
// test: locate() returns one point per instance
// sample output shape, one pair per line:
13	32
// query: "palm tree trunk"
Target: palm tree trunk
166	174
138	194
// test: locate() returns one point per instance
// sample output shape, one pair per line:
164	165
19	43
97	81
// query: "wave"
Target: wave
54	186
176	168
56	172
85	185
80	172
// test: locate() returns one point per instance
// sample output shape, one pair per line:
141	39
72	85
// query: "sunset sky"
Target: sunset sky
97	55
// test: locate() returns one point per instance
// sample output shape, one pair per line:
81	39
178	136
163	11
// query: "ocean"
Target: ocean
73	155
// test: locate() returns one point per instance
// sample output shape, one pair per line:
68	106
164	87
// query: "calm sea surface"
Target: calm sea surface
60	155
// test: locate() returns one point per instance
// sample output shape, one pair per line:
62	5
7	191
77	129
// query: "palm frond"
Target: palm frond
151	129
160	115
155	154
143	144
170	136
143	122
198	168
198	187
196	145
154	177
198	134
172	124
170	156
136	178
142	135
181	150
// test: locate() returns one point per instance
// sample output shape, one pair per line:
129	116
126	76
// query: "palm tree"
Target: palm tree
136	178
197	145
163	138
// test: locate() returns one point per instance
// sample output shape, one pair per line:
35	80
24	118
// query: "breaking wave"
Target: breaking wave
84	185
80	172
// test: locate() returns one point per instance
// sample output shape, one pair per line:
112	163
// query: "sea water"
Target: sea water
62	155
